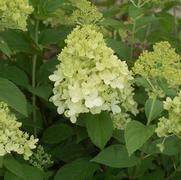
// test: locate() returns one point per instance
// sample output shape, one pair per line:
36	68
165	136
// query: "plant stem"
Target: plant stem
34	77
153	103
133	39
134	4
175	20
150	83
151	111
147	33
139	4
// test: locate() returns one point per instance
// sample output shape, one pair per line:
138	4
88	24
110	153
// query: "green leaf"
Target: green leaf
145	21
119	136
21	171
14	167
44	91
79	169
99	128
172	146
158	175
5	48
112	23
46	70
49	175
52	5
116	156
11	94
142	82
53	36
44	8
145	165
11	176
12	72
69	151
119	48
32	173
136	134
57	133
135	12
140	96
18	41
153	108
1	161
165	87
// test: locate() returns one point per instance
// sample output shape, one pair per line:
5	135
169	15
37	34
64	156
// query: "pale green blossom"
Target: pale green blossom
172	123
14	14
41	159
163	62
90	78
12	139
84	13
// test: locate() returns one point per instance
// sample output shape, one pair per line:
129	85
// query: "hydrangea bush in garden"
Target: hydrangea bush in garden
90	90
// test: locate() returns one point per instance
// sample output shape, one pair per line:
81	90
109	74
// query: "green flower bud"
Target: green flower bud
41	159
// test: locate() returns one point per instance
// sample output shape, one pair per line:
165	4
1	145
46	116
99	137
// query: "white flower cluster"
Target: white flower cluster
90	78
171	124
14	14
12	139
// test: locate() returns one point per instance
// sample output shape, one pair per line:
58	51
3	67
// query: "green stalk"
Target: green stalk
34	77
154	100
139	4
150	83
133	39
132	1
151	111
175	20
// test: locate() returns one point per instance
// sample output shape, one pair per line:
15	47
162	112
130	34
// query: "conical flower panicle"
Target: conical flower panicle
90	78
